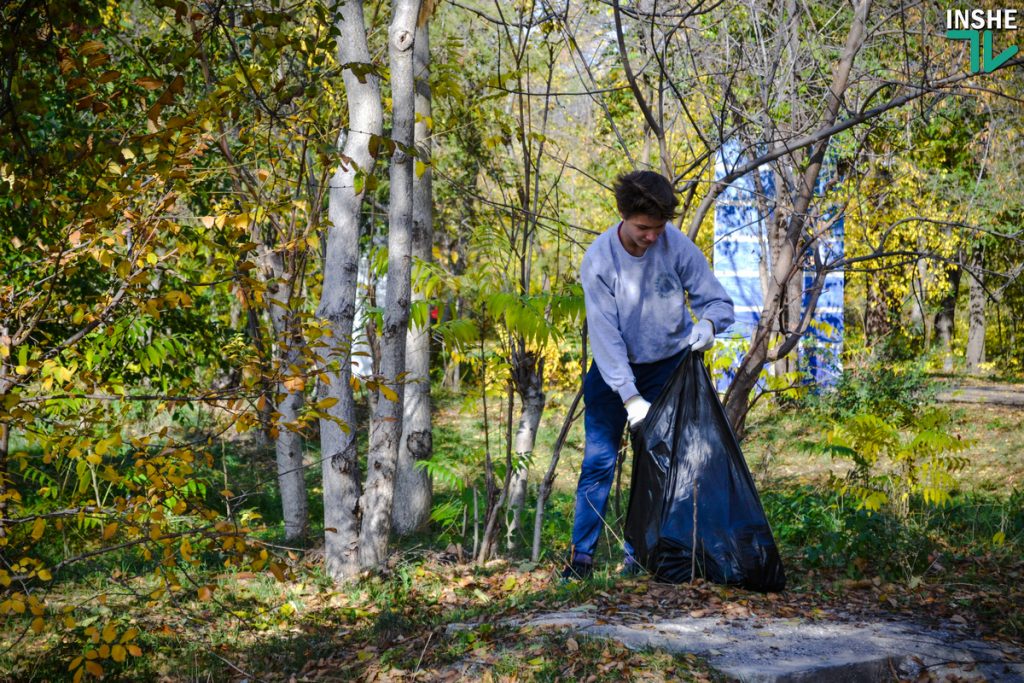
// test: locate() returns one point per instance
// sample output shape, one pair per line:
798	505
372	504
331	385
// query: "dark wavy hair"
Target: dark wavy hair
645	192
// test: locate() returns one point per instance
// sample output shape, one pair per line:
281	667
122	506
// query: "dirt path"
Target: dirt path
988	393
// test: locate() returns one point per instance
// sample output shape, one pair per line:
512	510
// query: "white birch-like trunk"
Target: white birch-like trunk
386	426
412	484
341	481
530	387
290	397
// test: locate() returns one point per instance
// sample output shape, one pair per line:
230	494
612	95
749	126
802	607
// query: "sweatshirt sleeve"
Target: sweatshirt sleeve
606	341
708	297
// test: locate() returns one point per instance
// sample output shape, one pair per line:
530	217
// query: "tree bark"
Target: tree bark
529	381
341	482
976	312
412	484
386	426
291	474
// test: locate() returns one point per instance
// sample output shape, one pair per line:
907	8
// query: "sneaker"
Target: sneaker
578	571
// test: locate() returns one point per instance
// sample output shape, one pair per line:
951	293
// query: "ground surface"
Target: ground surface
431	615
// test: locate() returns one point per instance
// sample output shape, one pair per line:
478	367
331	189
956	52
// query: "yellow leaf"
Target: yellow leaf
295	384
44	575
135	650
388	393
149	83
277	571
78	675
109	530
118	653
999	538
130	634
38	624
94	668
90	47
38	527
509	584
109	633
151	259
69	622
205	593
75	663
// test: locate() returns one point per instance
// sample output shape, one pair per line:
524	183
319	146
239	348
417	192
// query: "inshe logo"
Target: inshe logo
968	25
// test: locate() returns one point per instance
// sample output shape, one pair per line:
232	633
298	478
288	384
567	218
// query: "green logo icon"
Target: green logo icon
981	50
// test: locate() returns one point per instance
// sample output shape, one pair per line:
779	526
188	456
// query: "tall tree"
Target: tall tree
340	464
412	483
377	500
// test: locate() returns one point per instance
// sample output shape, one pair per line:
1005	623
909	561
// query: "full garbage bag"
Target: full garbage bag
693	508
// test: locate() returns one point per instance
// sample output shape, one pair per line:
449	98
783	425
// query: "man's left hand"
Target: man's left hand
702	337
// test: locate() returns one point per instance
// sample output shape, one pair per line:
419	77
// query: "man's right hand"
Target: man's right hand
636	410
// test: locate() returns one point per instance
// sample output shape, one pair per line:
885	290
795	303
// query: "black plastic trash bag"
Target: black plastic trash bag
693	508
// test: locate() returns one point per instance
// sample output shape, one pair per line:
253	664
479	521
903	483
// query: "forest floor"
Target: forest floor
432	615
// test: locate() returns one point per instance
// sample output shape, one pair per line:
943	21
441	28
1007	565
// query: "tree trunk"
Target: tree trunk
386	426
337	309
412	484
976	312
528	374
946	316
291	474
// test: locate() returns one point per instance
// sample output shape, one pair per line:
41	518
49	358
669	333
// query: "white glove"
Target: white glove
636	411
702	337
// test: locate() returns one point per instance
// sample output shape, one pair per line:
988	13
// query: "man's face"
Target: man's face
640	231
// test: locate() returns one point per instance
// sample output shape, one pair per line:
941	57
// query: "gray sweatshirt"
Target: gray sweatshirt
636	312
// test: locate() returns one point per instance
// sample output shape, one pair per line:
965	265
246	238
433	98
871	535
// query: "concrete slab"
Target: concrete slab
763	650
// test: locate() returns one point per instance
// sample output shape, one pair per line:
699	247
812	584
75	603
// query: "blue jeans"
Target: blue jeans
603	421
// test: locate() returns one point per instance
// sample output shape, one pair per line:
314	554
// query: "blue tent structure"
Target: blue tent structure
741	243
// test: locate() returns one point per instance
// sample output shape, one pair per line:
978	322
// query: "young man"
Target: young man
634	278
